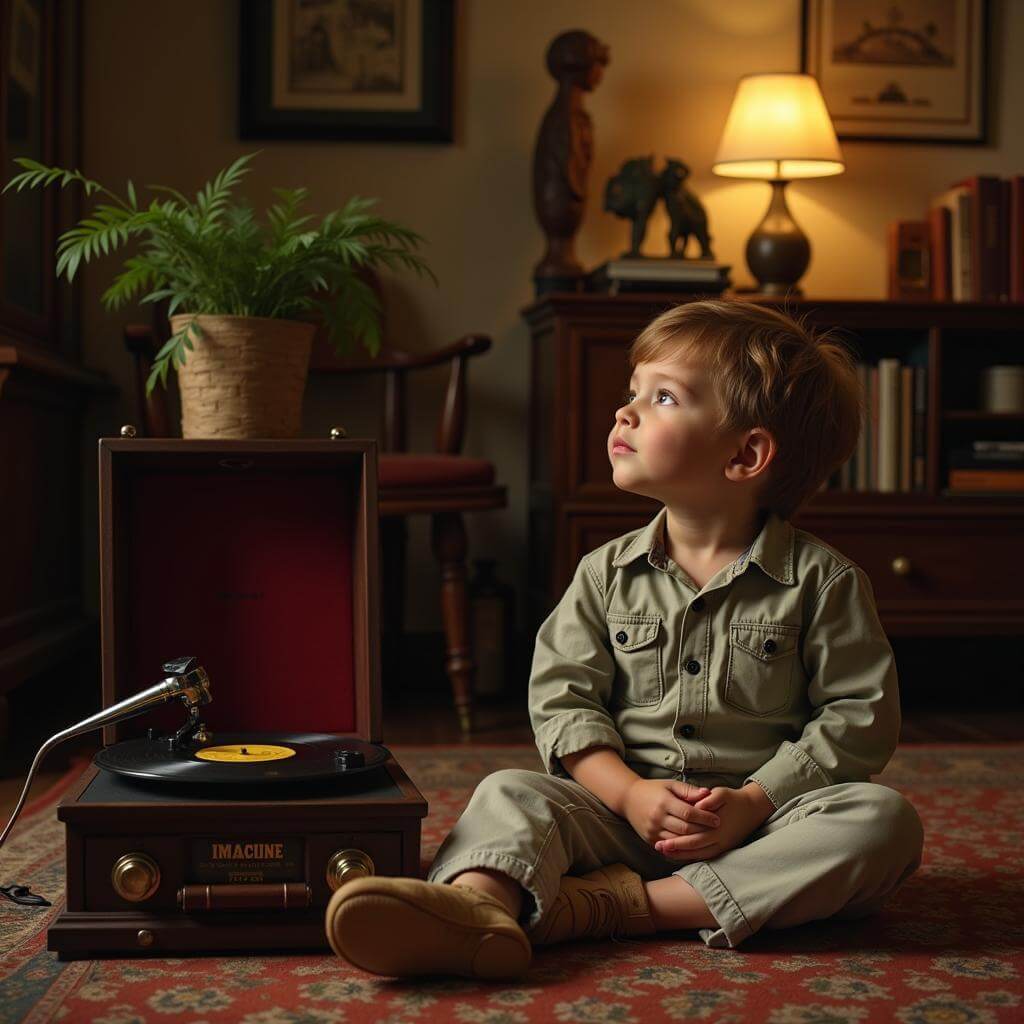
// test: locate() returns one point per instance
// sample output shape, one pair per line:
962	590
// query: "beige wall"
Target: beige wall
160	102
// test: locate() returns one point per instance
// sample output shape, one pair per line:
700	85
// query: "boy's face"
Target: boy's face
668	419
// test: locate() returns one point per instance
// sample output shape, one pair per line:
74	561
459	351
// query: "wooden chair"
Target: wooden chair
442	484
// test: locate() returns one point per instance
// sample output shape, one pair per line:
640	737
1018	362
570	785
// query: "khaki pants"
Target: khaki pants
833	852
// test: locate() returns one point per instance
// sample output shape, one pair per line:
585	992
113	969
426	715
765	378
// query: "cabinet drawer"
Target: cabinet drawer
936	561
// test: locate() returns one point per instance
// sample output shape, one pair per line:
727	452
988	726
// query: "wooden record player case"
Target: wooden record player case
260	559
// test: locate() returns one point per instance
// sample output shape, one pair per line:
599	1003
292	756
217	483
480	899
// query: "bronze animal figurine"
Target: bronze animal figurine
686	213
562	157
632	194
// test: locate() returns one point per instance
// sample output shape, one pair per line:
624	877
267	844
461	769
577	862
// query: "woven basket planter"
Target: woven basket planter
244	377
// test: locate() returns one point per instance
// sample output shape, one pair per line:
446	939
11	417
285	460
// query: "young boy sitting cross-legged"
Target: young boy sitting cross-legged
710	696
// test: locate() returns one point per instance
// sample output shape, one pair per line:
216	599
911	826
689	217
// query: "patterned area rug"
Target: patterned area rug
948	947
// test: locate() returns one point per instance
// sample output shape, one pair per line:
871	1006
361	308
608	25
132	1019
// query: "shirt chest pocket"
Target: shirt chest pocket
762	659
636	644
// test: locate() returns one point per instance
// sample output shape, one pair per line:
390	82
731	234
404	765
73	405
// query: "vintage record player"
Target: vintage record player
224	820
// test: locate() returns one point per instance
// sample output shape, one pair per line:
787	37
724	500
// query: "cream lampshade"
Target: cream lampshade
778	129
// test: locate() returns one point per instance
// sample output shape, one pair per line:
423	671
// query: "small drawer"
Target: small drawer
935	560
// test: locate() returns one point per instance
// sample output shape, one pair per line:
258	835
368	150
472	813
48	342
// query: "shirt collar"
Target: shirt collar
647	542
772	549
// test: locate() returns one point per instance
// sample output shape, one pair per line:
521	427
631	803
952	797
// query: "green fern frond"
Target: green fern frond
38	174
172	353
137	275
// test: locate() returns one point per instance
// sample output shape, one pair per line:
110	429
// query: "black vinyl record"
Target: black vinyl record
229	758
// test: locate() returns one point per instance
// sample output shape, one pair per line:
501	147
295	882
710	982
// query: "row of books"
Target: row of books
987	466
976	231
890	454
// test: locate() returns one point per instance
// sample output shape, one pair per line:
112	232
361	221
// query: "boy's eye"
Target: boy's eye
628	396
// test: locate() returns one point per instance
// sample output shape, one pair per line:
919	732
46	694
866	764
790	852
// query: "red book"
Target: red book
984	190
1017	238
939	228
1004	239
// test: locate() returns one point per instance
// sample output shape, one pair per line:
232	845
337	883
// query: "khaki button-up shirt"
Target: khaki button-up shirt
777	671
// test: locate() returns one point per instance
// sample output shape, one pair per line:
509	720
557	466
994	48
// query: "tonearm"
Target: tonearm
186	680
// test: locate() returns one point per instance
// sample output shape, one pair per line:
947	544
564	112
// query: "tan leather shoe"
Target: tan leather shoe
610	901
403	926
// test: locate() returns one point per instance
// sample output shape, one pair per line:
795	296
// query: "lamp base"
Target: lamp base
778	252
773	288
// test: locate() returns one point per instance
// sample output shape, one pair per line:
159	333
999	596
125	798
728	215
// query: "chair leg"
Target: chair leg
448	536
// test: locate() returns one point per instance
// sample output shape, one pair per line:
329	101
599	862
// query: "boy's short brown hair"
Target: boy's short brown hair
771	371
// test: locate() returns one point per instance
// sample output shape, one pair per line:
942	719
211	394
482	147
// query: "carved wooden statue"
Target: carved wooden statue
561	160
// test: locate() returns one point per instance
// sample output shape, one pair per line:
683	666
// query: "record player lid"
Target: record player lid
258	558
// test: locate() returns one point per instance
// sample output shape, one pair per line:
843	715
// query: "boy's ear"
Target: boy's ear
753	455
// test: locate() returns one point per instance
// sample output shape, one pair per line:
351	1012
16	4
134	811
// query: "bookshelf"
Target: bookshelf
940	563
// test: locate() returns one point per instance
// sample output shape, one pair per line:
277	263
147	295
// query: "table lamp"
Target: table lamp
778	129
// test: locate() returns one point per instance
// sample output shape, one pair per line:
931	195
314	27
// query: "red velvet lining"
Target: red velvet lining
251	573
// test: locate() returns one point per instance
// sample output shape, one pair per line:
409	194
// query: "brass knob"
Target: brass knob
344	865
135	877
127	430
144	937
901	565
337	433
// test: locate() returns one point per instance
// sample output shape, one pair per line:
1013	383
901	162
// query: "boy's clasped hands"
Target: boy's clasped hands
689	823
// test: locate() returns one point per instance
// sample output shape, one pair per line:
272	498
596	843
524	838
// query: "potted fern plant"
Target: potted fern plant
242	297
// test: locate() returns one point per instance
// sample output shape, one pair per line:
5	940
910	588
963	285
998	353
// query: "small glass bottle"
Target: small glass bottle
491	623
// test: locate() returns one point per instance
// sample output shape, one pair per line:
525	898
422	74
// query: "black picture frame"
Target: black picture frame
976	132
431	121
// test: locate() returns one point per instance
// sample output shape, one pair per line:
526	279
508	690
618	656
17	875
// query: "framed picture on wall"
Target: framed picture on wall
370	70
900	70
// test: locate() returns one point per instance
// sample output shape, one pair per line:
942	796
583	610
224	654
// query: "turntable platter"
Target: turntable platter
245	759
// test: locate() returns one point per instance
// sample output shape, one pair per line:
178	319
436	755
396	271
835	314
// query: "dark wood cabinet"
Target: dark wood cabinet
43	386
939	564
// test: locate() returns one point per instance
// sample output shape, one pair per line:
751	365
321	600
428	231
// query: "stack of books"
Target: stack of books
890	453
659	274
987	466
976	234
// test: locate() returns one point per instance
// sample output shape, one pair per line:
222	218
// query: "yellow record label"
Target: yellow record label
241	753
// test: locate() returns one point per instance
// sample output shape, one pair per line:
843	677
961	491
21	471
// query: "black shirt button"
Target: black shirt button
697	604
621	637
769	646
687	731
693	667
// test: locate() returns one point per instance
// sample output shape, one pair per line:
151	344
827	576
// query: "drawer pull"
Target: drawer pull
901	565
257	896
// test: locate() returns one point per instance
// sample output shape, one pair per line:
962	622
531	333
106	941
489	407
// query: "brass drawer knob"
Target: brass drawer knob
344	865
135	877
901	565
